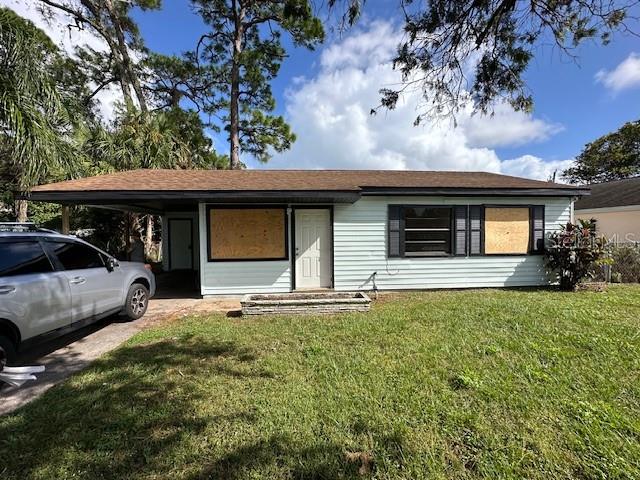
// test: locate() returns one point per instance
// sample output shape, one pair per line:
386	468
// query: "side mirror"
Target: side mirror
111	264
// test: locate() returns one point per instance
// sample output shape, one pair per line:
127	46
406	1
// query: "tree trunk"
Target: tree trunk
234	132
126	91
127	67
65	220
21	210
148	236
234	109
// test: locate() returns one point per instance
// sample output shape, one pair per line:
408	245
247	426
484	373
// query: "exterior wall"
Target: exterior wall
233	278
618	224
360	249
165	238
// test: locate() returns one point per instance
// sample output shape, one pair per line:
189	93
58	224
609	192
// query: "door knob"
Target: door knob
78	280
7	289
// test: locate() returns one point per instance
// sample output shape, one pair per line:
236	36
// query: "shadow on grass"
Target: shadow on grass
134	414
272	458
123	415
280	457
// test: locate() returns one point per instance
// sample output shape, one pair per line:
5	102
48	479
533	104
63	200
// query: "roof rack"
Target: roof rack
22	227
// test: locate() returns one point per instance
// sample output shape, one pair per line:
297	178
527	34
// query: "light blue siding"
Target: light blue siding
233	278
360	246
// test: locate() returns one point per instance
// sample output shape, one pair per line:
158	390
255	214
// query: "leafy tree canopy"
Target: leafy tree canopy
477	51
111	21
611	157
163	139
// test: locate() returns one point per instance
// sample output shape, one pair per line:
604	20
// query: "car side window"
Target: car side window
76	256
23	258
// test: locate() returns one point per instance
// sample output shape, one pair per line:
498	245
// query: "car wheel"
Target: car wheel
137	301
7	352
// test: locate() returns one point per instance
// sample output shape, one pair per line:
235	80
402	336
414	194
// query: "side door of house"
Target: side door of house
32	294
180	244
94	290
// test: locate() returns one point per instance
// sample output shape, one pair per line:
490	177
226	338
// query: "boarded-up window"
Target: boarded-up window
247	234
506	230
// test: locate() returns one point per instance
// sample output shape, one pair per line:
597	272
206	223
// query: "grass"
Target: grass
469	384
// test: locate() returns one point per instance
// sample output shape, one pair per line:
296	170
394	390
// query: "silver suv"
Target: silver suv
51	284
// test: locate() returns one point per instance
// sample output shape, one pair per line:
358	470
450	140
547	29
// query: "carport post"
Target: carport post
65	219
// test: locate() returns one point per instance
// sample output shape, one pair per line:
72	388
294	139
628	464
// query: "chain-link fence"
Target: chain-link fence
625	264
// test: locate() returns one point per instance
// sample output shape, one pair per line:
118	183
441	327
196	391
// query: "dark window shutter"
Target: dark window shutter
475	229
537	229
460	229
395	213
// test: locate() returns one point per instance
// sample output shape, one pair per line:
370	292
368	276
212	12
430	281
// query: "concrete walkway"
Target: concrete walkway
74	352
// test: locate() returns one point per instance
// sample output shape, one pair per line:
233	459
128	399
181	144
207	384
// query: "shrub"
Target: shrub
574	253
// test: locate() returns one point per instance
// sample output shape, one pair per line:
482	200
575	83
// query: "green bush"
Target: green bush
575	253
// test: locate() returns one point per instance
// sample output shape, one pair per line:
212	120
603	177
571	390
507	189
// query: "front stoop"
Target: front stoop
305	303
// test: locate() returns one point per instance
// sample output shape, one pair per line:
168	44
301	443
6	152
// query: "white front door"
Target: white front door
313	248
180	244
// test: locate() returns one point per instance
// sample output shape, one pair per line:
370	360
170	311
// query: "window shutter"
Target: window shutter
475	229
394	243
460	229
537	229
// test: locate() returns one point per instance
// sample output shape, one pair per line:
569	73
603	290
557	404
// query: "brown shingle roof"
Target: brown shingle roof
291	180
618	193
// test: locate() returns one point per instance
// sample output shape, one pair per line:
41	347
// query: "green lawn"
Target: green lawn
464	384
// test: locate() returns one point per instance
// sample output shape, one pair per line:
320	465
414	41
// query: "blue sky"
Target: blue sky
326	96
565	89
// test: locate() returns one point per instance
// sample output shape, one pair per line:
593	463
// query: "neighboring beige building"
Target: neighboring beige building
616	207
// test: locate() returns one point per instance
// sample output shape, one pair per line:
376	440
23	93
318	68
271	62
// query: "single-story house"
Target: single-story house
616	208
254	231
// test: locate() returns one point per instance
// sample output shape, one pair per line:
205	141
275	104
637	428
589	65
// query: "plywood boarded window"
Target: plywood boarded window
506	230
247	234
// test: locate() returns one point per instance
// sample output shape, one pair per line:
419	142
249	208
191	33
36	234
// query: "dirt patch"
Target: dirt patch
363	459
385	297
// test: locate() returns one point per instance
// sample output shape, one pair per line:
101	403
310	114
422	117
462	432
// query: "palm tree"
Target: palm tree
161	139
35	125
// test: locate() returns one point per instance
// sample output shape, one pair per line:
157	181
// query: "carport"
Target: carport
178	214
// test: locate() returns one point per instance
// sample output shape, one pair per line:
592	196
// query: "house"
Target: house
616	208
254	231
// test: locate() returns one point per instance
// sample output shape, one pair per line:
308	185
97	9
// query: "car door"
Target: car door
32	294
94	289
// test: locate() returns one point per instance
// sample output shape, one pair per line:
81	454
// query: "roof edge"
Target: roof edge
87	196
456	191
339	196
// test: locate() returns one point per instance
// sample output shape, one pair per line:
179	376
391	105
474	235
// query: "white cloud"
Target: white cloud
330	114
625	75
368	47
534	167
59	28
506	128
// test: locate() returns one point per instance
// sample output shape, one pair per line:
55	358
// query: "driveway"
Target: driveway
72	353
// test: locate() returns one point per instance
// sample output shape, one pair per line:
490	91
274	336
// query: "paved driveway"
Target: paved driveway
73	352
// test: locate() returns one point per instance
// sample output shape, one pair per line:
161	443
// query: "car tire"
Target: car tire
137	301
7	352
